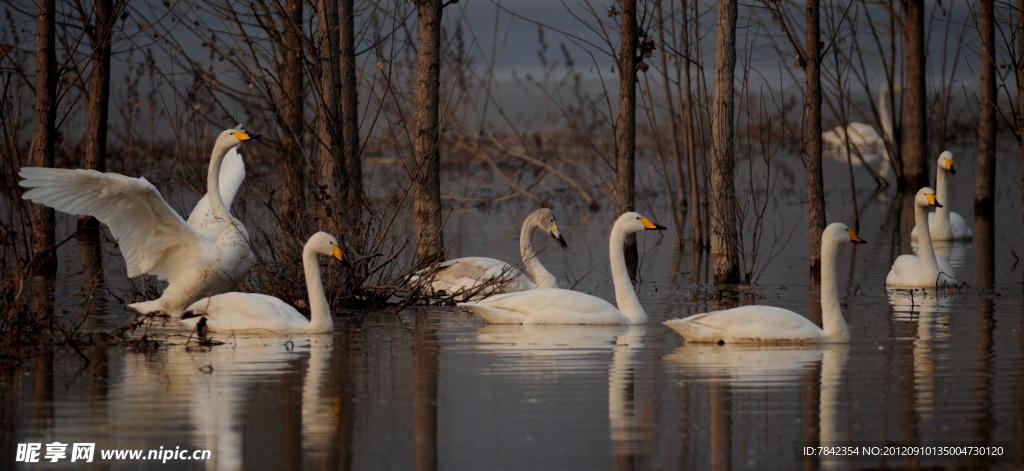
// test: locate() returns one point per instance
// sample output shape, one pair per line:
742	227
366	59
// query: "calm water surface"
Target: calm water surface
438	388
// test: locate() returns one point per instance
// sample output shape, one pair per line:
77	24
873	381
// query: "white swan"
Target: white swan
468	273
232	173
945	224
259	313
153	237
767	324
562	306
869	143
924	269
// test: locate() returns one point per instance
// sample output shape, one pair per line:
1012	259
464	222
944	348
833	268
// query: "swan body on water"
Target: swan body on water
561	306
469	273
259	313
944	224
768	324
926	269
867	141
154	238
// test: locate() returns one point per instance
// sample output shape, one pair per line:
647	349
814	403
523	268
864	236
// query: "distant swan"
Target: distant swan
924	269
944	224
767	324
259	313
561	306
468	273
864	137
153	238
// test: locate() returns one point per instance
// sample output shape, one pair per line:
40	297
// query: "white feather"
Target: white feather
153	238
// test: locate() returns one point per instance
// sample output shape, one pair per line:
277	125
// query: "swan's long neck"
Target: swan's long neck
217	207
883	113
925	251
942	193
541	276
831	313
625	296
320	312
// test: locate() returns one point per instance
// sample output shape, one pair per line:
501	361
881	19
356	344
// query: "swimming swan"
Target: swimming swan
259	313
153	237
924	269
467	273
869	142
767	324
562	306
944	224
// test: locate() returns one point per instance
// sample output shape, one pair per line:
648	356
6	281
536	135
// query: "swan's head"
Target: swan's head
946	161
840	233
545	220
630	223
233	137
926	197
325	244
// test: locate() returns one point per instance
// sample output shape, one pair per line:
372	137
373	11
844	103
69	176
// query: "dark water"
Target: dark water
438	388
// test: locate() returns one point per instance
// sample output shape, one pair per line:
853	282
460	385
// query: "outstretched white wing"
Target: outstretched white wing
153	238
232	173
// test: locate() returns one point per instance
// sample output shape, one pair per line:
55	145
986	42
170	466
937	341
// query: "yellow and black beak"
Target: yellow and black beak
557	235
244	136
932	200
949	166
651	225
854	238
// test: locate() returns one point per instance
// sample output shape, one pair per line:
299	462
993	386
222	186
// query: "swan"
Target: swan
944	224
154	239
259	313
924	269
562	306
468	273
767	324
232	173
864	136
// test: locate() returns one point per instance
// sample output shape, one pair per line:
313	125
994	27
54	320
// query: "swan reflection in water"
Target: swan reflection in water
212	392
729	369
538	351
930	315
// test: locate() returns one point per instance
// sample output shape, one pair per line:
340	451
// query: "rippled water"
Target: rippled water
438	388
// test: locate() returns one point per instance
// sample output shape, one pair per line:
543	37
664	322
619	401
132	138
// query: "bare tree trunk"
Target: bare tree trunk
331	148
625	145
724	250
812	137
984	189
44	261
688	138
915	126
427	174
98	104
350	119
679	204
291	163
98	100
673	126
1020	93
